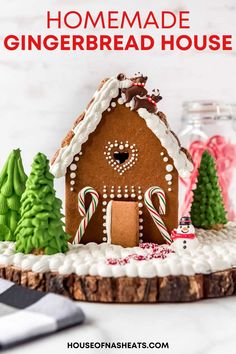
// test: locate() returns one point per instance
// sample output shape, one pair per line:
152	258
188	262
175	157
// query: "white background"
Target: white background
42	93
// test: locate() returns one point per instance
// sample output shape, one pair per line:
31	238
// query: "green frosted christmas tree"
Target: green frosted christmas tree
207	210
12	186
40	229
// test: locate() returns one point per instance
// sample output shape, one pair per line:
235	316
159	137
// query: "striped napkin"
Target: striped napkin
26	314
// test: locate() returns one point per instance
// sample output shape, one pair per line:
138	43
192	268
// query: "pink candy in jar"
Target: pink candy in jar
210	126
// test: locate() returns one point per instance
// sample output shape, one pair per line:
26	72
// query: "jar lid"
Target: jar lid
208	110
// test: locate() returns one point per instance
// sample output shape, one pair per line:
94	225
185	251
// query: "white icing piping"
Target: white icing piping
108	221
92	118
216	252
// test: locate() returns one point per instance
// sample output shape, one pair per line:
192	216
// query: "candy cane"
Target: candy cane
162	210
87	214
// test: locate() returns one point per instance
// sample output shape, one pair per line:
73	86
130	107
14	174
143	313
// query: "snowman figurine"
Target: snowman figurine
184	237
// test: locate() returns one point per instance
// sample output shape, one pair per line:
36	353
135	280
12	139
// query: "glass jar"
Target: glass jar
210	125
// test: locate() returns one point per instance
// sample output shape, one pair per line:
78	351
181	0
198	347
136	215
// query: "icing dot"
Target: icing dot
126	145
73	167
76	158
126	195
109	109
121	147
165	159
141	241
140	227
104	203
169	189
168	177
140	197
133	195
104	224
113	104
73	175
72	189
105	196
162	153
104	231
72	182
140	212
140	220
80	153
119	195
104	239
170	183
169	168
112	196
140	234
111	146
104	217
104	210
120	100
140	205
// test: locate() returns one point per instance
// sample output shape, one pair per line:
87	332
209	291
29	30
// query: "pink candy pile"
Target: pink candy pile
156	251
225	156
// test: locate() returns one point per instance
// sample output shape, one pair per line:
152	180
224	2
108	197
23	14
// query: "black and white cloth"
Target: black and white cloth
26	314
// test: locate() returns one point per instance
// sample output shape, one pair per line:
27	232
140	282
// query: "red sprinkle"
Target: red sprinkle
156	252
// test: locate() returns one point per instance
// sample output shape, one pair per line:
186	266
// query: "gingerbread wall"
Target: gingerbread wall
92	169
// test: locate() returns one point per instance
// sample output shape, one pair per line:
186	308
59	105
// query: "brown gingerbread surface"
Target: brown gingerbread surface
93	170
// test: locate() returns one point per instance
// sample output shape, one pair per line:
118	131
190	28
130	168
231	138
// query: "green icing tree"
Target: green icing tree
40	229
207	210
12	186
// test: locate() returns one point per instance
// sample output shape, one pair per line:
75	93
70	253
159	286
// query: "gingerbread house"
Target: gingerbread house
121	145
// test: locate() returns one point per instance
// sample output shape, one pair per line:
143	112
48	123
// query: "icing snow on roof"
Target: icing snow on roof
88	122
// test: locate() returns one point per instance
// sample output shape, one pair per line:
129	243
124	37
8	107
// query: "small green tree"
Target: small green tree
207	210
40	229
12	186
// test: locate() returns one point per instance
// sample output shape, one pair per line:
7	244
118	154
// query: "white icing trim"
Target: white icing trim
93	115
216	252
108	221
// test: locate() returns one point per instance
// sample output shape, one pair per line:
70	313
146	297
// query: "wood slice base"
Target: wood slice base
127	290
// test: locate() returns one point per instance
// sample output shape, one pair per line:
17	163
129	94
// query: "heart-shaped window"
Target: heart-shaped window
121	156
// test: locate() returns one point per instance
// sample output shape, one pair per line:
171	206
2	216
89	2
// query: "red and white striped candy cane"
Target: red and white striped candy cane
87	214
162	210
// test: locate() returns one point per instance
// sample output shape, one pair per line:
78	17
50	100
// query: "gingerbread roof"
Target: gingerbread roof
139	100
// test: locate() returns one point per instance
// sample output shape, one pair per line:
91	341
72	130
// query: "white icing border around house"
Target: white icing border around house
216	252
93	116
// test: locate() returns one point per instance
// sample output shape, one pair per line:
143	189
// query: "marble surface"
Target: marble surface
206	327
42	93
